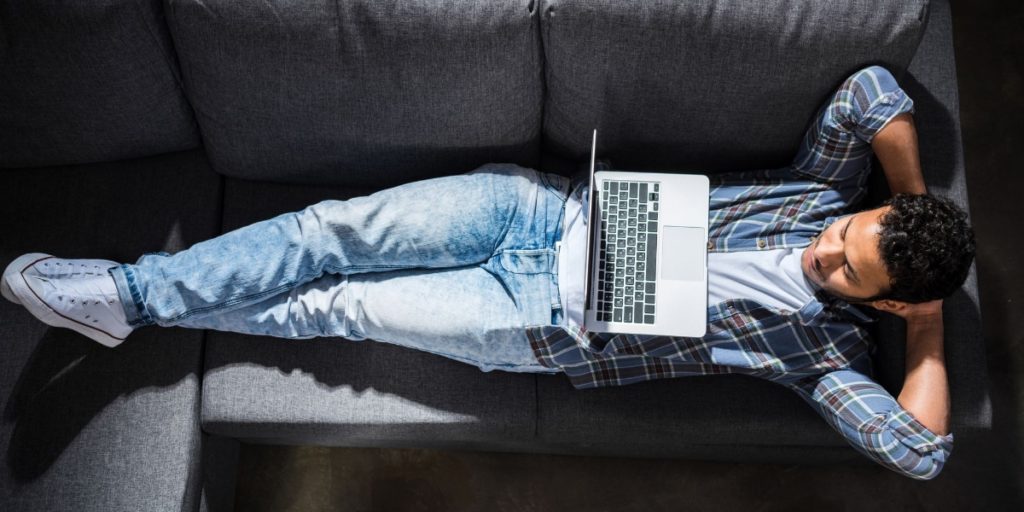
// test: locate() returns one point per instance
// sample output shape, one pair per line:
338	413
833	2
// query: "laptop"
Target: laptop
647	270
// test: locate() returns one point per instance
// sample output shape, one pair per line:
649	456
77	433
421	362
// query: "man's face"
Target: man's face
845	261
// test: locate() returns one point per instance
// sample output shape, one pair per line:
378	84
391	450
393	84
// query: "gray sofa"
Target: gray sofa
140	126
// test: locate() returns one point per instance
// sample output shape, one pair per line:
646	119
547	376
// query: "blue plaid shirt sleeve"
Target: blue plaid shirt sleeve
858	109
875	424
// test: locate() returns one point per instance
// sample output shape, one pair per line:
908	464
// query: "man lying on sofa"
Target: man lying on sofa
463	266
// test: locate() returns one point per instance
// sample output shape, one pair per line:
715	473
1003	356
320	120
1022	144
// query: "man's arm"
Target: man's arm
895	145
838	144
925	388
925	391
874	423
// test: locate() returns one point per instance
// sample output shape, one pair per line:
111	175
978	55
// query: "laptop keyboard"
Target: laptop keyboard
629	249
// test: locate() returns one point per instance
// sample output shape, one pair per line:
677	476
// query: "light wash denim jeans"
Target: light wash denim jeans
457	266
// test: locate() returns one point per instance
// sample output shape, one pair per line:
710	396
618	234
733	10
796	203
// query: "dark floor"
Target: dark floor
984	475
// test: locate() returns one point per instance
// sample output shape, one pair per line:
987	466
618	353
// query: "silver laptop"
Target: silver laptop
647	270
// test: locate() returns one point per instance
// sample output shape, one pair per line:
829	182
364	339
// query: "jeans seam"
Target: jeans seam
354	269
266	293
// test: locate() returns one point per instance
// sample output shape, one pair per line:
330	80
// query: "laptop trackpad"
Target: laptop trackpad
683	253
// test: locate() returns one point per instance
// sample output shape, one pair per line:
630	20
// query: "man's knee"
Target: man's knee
321	307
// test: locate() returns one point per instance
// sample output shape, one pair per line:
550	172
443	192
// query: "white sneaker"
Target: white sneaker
76	294
45	265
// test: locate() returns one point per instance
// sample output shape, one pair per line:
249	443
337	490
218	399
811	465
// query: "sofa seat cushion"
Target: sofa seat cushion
86	427
721	417
335	391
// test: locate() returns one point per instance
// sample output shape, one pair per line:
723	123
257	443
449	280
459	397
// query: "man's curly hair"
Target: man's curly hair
926	246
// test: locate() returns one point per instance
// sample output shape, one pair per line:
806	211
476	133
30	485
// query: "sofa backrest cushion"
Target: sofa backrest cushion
90	81
365	92
707	84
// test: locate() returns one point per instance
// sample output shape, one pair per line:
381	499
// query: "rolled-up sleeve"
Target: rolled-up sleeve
837	146
874	423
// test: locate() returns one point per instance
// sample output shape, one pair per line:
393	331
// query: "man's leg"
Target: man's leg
462	313
443	222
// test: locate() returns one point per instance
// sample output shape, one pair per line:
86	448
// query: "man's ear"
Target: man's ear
889	306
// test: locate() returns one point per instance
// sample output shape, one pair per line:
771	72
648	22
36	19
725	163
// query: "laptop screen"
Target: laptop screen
594	220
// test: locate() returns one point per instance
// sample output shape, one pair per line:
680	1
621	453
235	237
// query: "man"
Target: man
473	267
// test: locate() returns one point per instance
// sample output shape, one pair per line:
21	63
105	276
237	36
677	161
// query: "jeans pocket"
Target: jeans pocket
528	261
556	183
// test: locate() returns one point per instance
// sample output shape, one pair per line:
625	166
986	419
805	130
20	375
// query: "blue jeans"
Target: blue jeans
457	266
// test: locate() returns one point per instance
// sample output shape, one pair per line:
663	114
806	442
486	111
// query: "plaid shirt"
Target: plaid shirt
821	351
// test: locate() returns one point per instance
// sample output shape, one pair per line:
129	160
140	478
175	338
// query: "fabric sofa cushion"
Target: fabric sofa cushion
361	92
723	417
335	391
88	82
86	427
707	84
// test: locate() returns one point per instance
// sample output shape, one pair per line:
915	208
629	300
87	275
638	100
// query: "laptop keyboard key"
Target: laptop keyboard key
652	256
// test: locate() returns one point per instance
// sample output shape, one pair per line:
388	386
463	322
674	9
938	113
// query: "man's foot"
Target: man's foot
77	294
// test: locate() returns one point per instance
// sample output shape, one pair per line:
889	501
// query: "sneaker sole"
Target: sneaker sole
14	270
44	313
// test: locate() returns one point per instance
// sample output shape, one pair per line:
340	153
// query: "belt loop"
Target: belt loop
557	315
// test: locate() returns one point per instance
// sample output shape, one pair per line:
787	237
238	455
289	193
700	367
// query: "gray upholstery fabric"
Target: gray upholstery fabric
333	391
86	427
361	91
88	82
684	85
677	418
